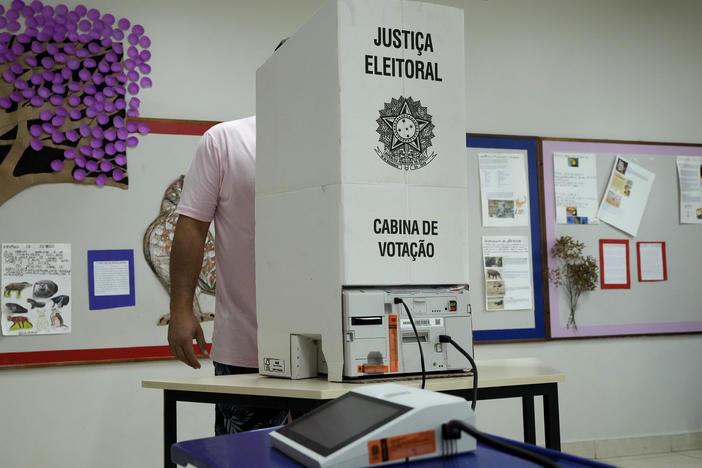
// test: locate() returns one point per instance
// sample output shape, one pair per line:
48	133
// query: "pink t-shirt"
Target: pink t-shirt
220	186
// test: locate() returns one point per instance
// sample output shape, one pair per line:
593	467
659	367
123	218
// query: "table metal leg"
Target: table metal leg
528	419
552	424
170	430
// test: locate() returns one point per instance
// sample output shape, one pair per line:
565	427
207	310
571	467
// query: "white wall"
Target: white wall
629	69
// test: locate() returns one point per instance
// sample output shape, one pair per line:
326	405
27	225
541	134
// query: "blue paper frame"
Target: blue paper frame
109	302
530	145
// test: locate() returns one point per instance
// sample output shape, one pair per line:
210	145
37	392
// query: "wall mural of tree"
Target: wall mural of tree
69	80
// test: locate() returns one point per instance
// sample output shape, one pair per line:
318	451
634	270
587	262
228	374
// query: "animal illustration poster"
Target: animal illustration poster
36	285
507	266
503	189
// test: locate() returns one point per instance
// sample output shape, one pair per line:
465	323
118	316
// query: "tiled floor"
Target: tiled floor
683	459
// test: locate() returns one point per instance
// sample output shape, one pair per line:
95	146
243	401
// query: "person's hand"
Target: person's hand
182	329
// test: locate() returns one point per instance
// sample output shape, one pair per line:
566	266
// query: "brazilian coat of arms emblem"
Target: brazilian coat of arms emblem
406	131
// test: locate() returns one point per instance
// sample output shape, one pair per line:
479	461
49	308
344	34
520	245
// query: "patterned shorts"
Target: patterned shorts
230	418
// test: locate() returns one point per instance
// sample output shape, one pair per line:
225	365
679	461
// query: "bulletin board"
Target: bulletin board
505	325
657	307
91	218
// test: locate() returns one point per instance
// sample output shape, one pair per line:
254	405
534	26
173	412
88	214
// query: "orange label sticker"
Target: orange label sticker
392	342
372	369
402	446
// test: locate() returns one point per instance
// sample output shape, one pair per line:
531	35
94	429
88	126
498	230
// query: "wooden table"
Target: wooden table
500	378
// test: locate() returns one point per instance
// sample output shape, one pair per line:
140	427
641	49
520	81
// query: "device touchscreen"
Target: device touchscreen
341	421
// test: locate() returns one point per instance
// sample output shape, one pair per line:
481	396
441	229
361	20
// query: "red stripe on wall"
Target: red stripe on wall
176	126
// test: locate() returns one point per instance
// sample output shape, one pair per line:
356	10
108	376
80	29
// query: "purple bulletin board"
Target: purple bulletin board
635	311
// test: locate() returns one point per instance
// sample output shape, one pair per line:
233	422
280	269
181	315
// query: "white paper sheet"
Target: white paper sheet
651	261
503	189
111	278
626	195
615	262
575	186
36	282
507	267
690	180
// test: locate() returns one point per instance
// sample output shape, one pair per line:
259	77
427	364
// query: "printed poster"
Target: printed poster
626	195
575	185
36	284
690	180
503	189
507	266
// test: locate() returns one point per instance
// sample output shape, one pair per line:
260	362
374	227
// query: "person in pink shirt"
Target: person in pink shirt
219	186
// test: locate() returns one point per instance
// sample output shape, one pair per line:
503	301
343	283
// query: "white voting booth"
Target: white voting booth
361	189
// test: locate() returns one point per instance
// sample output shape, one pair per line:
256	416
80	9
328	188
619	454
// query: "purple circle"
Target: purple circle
80	160
36	5
117	48
93	14
70	153
16	68
138	29
110	134
133	39
106	41
8	76
20	84
84	25
57	79
90	88
84	130
79	174
146	82
46	115
132	141
56	100
36	144
143	128
75	114
108	19
69	48
61	111
133	88
66	74
116	67
82	52
90	112
105	166
103	119
103	67
123	23
86	150
43	92
121	77
131	126
117	174
28	93
84	38
80	10
73	136
90	63
52	48
133	75
145	41
91	166
17	48
110	149
73	64
47	62
120	146
88	100
16	96
119	89
122	133
25	37
134	103
48	11
3	22
72	36
145	55
110	80
56	165
117	35
96	132
97	78
121	159
13	26
132	52
37	101
129	64
109	92
61	9
95	143
35	130
101	180
58	89
98	153
84	74
36	79
93	48
48	75
13	14
60	57
75	86
120	104
37	47
111	57
48	129
57	137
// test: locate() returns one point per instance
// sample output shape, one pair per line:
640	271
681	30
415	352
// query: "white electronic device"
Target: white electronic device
375	425
379	338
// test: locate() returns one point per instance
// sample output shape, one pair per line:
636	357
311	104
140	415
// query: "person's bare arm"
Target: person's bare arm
185	265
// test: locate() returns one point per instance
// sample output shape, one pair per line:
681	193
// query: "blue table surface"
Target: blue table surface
248	449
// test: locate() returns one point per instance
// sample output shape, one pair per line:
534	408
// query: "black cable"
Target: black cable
398	300
451	426
448	339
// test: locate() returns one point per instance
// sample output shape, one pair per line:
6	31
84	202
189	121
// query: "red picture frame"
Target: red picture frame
604	285
664	260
